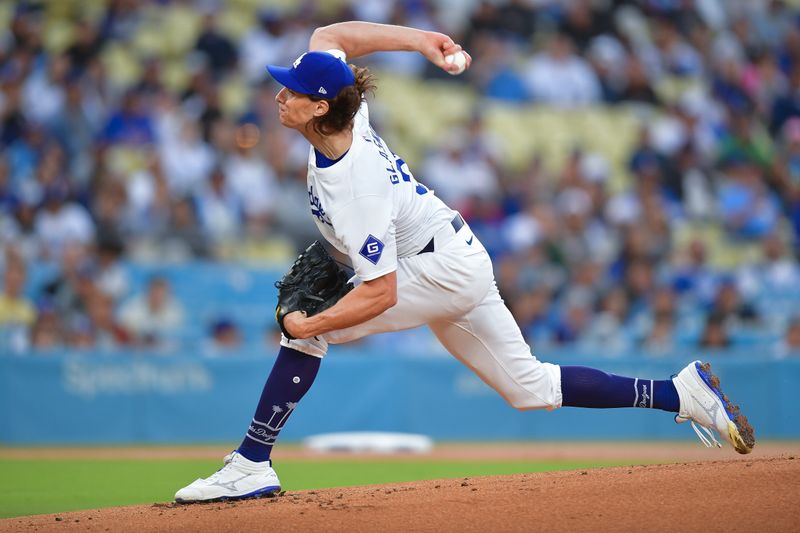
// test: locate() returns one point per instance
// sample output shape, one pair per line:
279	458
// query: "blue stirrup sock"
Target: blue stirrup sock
292	375
582	386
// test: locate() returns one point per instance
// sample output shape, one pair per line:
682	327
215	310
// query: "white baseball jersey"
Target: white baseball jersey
369	206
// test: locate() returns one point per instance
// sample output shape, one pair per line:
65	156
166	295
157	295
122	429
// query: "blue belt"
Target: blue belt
457	223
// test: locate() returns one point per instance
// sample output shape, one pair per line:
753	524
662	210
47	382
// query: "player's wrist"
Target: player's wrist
304	323
420	40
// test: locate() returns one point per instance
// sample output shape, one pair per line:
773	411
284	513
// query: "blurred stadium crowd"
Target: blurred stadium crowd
658	209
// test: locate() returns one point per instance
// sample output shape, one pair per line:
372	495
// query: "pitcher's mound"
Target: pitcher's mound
741	495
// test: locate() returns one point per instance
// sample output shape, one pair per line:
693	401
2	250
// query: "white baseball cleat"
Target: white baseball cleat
703	403
240	478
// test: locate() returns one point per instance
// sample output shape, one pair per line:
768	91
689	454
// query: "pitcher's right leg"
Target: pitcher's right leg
488	341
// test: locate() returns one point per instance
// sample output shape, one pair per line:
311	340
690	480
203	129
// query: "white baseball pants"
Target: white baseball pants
452	291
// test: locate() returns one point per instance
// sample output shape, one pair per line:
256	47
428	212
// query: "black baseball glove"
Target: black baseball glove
314	283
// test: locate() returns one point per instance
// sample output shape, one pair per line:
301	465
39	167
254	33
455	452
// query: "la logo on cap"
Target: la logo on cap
312	68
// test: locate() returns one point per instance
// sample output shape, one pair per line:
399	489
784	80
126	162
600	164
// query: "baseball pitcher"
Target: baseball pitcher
417	263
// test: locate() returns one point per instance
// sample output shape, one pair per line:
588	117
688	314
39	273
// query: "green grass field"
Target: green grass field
39	486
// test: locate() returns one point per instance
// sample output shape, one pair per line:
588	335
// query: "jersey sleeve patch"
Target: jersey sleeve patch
372	249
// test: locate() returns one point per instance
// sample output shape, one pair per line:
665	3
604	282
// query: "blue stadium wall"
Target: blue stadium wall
95	398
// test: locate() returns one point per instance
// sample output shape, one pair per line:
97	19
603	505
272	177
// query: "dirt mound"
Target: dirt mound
759	494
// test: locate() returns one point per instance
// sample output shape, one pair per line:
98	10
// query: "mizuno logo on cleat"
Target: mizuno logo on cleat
230	485
711	412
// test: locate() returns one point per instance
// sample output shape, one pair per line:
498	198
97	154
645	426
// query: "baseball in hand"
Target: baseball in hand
459	59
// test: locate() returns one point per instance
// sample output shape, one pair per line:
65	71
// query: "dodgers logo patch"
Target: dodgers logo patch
372	249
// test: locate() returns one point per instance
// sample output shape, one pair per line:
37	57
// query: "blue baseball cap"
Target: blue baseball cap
317	74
